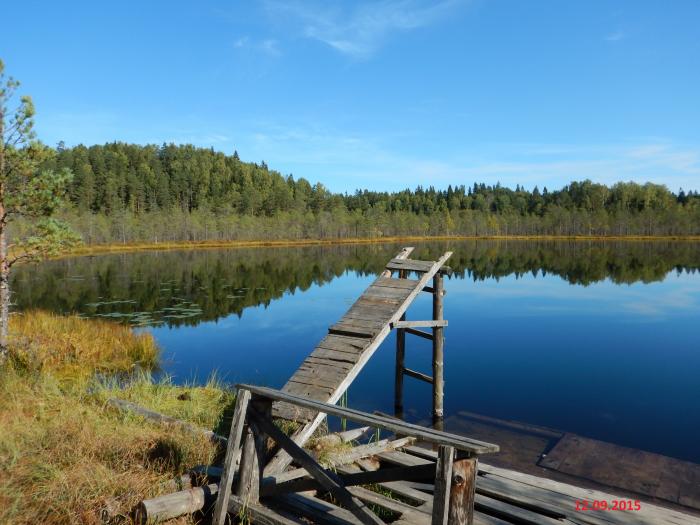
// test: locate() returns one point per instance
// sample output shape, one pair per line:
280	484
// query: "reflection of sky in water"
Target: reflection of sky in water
614	362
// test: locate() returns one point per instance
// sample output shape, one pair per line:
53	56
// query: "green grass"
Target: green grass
64	452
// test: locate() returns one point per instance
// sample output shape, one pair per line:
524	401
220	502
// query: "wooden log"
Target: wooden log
443	485
346	457
438	351
461	511
342	437
327	480
128	406
232	451
170	506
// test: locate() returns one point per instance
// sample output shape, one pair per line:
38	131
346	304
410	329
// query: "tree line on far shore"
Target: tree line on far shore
132	193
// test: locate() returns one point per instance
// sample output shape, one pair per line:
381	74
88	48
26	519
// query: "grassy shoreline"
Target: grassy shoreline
99	249
66	454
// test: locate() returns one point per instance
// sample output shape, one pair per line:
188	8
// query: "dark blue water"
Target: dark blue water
613	356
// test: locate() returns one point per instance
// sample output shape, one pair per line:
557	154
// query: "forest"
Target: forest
187	287
126	193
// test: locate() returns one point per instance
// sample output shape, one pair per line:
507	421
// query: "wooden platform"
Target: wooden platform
328	371
503	497
634	470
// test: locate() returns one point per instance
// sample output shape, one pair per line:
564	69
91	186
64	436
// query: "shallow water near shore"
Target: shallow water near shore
595	338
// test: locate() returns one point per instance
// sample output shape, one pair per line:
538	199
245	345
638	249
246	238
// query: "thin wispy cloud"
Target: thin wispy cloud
616	36
269	46
359	30
313	151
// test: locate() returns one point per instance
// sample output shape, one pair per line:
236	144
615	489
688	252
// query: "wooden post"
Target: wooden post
443	484
232	451
455	483
400	365
438	349
254	454
462	492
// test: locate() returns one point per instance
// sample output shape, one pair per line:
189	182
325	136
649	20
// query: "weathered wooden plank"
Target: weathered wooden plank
319	511
419	333
325	362
232	452
462	492
342	343
334	355
417	375
350	329
443	485
390	424
412	514
411	265
328	480
428	323
368	322
422	472
406	284
262	515
345	457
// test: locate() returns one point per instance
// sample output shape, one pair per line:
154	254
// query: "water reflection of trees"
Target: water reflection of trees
210	284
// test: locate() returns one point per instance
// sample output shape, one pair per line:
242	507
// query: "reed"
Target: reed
74	347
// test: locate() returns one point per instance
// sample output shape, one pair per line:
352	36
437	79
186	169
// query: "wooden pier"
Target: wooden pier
337	360
391	480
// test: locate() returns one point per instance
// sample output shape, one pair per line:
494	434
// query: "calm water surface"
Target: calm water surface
600	339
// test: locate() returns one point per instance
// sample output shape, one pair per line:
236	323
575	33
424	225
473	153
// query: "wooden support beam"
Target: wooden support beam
328	480
470	445
420	324
232	452
254	454
398	379
419	333
438	351
462	492
418	375
417	473
443	485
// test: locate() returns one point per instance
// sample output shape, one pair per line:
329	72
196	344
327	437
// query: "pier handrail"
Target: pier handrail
430	435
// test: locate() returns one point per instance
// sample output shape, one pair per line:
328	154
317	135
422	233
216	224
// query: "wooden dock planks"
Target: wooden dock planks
359	332
629	469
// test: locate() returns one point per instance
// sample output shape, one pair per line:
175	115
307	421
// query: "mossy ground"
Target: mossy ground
64	453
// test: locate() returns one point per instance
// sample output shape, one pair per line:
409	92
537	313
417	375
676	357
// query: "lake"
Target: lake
596	338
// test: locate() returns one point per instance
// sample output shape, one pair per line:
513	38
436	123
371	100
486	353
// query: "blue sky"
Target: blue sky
385	95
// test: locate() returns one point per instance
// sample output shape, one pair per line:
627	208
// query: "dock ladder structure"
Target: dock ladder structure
350	343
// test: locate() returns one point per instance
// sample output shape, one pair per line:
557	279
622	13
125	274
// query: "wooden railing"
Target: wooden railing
454	474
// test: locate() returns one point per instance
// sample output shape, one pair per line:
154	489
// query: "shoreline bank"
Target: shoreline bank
101	249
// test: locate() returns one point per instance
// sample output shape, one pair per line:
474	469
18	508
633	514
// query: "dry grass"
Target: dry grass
195	245
73	347
64	454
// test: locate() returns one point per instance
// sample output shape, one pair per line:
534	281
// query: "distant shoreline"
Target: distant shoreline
101	249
